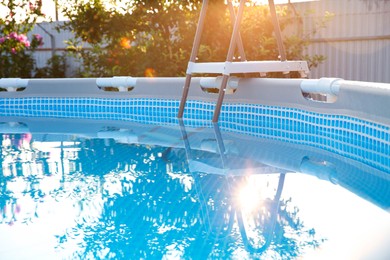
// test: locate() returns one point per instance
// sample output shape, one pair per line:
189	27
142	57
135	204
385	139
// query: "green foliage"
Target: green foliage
55	68
16	49
154	38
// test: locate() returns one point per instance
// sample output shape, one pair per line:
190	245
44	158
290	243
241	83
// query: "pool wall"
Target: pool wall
364	100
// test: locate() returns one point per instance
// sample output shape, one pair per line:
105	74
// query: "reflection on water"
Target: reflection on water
113	198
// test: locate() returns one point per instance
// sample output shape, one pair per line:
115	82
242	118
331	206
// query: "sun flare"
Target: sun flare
150	73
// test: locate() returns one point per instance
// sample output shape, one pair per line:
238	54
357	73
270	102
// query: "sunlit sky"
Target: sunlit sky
49	6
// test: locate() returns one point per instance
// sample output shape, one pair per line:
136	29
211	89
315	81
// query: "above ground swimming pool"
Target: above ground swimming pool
285	174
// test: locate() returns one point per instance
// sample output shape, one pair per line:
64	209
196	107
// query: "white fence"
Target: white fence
356	42
54	42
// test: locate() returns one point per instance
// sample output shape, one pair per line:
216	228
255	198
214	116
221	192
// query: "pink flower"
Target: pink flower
13	35
2	39
38	38
22	38
31	6
13	50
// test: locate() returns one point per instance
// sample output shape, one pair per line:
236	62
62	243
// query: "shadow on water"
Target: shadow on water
138	200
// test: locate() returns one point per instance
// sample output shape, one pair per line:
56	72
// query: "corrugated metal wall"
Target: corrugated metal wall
356	42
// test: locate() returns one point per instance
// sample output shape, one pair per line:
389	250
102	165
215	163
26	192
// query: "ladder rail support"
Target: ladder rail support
240	45
194	53
278	34
229	59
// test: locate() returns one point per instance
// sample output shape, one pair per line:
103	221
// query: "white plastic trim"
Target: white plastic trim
12	84
190	67
12	127
216	82
322	85
120	136
119	82
227	68
322	169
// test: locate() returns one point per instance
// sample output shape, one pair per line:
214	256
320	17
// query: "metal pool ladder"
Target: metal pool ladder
243	66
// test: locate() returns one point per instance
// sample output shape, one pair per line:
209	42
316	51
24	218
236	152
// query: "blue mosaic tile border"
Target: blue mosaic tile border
361	140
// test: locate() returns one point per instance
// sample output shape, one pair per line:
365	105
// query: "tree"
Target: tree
154	38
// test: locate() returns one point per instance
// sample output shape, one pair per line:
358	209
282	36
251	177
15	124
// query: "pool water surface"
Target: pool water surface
111	189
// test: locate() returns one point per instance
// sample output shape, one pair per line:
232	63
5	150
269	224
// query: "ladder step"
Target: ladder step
227	68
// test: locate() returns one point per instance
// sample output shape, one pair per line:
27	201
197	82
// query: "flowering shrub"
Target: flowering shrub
15	42
18	18
16	54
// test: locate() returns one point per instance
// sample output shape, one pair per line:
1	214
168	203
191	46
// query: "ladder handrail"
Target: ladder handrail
194	53
240	45
278	34
229	58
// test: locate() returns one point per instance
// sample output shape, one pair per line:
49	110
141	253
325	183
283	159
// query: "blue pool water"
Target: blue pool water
112	179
